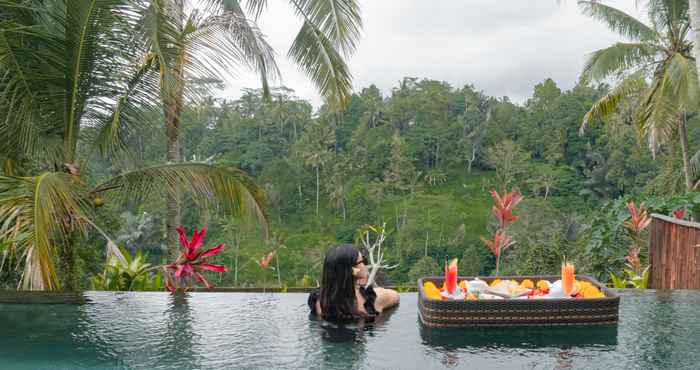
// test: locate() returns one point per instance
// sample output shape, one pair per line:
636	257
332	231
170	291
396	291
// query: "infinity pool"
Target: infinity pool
657	329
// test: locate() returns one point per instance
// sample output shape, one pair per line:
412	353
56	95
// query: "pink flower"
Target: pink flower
188	267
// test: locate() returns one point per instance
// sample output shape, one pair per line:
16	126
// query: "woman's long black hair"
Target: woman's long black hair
337	296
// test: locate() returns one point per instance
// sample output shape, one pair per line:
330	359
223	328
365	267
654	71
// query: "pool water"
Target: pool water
657	330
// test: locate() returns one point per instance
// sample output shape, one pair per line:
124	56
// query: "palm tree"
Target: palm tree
655	69
338	185
70	78
205	44
186	45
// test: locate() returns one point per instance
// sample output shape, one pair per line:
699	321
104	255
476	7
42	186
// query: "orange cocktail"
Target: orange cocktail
567	278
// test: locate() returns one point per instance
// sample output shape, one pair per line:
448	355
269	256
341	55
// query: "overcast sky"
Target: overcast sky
503	47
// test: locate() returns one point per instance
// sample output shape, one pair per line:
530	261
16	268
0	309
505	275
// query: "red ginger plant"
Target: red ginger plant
499	243
502	210
187	269
638	221
503	207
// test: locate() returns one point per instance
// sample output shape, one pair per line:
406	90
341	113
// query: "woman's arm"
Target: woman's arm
386	298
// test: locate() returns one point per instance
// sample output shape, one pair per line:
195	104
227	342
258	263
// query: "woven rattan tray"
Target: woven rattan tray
518	312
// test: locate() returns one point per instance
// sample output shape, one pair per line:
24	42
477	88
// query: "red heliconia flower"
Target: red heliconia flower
679	213
640	218
503	206
265	261
187	269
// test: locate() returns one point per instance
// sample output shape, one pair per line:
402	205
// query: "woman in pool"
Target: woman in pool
342	295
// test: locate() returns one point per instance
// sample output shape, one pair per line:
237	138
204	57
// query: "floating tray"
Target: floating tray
518	312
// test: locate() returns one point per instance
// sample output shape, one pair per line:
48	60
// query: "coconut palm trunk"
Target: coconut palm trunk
172	109
683	134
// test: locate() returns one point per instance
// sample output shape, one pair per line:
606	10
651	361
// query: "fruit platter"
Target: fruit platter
552	300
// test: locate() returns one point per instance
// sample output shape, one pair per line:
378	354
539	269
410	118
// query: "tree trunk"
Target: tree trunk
427	237
469	169
317	188
173	101
69	277
172	218
695	25
498	262
279	273
235	263
342	203
686	157
301	196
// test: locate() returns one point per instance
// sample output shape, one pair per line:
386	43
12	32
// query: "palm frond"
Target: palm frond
317	57
327	28
667	14
214	45
31	79
683	81
617	59
669	96
618	21
72	59
130	113
226	189
257	53
633	84
339	20
99	47
38	214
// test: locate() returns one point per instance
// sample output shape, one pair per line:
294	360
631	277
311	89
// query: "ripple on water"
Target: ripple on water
265	331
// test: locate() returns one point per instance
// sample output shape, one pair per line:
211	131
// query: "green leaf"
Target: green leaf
226	189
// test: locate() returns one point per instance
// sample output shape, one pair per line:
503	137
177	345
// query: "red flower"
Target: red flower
265	261
640	218
187	269
503	206
679	213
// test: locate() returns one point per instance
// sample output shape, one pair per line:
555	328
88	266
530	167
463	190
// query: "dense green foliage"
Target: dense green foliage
422	160
132	273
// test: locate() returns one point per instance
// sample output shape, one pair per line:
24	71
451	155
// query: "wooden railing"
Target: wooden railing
674	253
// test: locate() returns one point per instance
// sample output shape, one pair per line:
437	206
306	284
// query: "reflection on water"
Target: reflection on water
530	337
455	344
657	330
343	345
179	336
